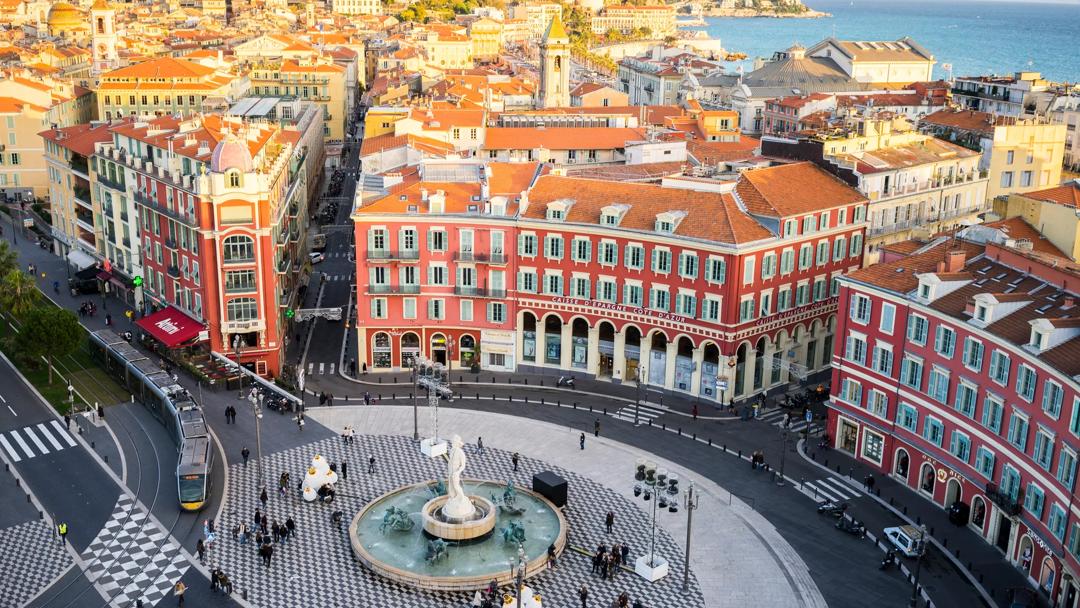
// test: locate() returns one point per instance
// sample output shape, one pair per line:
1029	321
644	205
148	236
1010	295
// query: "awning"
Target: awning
170	326
104	275
80	259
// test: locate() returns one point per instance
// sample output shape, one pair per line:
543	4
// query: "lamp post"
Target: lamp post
519	578
238	348
662	489
783	453
918	567
691	504
416	396
256	408
640	386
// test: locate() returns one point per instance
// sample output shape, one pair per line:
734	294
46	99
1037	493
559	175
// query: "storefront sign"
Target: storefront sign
667	316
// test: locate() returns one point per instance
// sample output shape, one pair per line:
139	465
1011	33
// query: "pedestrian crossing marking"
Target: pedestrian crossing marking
332	368
10	450
22	444
796	422
645	413
310	368
56	444
63	433
41	446
321	366
832	488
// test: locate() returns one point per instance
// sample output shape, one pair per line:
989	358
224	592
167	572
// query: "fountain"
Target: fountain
455	548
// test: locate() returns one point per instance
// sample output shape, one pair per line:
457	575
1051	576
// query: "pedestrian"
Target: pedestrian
215	575
344	470
290	526
869	481
345	435
371	465
787	420
583	595
625	552
322	398
596	427
581	441
609	521
243	533
200	548
258	518
228	415
263	498
265	524
330	400
551	556
596	563
62	531
514	459
479	445
275	532
244	453
694	411
300	421
67	422
178	590
367	398
226	584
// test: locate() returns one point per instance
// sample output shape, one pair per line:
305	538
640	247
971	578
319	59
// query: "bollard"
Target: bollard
838	469
905	509
740	453
18	482
509	380
493	379
878	492
559	403
970	569
944	541
492	397
956	552
244	594
41	515
680	431
106	459
664	426
890	501
932	533
92	444
460	379
509	397
392	396
605	411
28	499
541	401
918	521
526	381
380	382
725	448
575	405
710	441
695	436
826	463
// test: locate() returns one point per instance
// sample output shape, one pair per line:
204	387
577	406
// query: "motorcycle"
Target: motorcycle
831	508
888	561
851	526
567	381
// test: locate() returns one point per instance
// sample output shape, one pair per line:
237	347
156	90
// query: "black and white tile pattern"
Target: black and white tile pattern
31	556
317	567
132	558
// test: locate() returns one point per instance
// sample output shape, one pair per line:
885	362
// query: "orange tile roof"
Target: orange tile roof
899	276
165	67
510	179
389	141
560	138
794	189
1017	228
710	216
79	138
1066	194
11	105
966	120
459	195
292	66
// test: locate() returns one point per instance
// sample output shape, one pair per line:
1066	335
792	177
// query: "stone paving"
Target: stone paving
30	558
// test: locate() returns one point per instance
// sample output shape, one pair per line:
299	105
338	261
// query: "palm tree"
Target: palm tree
20	292
9	259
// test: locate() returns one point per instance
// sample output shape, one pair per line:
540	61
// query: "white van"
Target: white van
907	539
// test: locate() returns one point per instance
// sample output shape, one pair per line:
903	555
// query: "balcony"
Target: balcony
110	183
479	292
82	195
174	272
981	92
242	326
890	228
284	265
1011	506
387	255
241	288
170	244
78	163
393	289
482	258
239	260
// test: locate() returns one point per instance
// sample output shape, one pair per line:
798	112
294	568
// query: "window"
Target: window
553	247
790	227
1006	179
632	295
746	310
883	359
437	240
1052	396
856	243
1010	481
960	446
1025	382
686	305
436	309
748	271
15	158
783	299
938	384
824	221
242	309
802	294
821	290
408	308
945	341
239	280
1018	430
608	254
659	299
553	285
768	266
851	392
999	367
856	348
378	308
806	256
823	253
710	309
933	431
888	315
860	309
635	257
993	413
917	329
581	288
661	260
717	270
527	245
984	462
437	275
581	250
1056	523
1074	421
911	372
839	249
688	265
1033	500
238	249
965	399
809	224
907	417
787	262
1044	448
1066	471
496	312
973	354
877	403
605	290
527	281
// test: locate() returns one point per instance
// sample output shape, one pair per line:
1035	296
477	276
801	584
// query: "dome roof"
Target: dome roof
231	153
64	16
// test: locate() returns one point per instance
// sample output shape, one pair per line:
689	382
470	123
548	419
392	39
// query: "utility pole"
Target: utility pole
691	505
238	348
640	385
783	453
416	396
256	408
918	567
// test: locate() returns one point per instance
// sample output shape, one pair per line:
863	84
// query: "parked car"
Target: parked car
907	539
317	256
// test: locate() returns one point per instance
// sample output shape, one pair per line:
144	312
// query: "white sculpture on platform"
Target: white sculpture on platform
318	475
458	505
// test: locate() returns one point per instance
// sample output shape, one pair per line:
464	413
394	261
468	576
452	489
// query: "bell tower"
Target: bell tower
554	66
103	22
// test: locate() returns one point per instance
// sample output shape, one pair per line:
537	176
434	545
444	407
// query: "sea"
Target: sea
975	37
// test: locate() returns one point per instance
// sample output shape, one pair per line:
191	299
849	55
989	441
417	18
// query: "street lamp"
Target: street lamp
416	397
662	489
238	348
921	545
640	385
519	576
783	453
256	408
691	504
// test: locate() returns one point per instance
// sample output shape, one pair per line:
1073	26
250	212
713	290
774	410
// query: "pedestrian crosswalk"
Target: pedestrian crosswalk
831	488
776	418
35	440
320	369
645	413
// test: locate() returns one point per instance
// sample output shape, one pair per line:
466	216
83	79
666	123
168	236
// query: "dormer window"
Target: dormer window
234	178
612	215
555	214
924	291
664	226
557	210
982	312
668	222
1039	339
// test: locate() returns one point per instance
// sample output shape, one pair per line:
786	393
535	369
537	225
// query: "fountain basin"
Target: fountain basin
471	564
449	528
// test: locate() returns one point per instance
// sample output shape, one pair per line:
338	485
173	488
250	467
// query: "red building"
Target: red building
522	268
956	374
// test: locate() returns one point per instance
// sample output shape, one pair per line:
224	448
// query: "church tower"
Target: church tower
103	21
554	66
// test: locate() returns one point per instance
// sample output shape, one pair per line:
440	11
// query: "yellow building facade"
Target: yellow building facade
1024	157
162	86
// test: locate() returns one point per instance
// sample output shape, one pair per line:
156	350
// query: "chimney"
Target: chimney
954	260
423	194
1068	302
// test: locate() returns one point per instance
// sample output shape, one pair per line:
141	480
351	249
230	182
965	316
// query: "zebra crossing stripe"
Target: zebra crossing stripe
63	433
44	431
332	368
310	368
321	368
41	446
819	491
10	450
26	449
840	486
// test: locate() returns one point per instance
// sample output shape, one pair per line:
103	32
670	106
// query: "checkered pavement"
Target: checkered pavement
132	558
31	556
317	567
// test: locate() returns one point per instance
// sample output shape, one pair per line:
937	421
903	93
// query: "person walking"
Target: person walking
581	441
514	458
200	548
694	411
244	453
479	445
596	427
344	470
300	421
551	556
178	590
609	521
625	552
290	526
62	531
869	481
583	595
371	465
243	533
67	422
263	498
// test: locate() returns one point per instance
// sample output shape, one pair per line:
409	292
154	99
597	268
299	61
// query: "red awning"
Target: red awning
170	326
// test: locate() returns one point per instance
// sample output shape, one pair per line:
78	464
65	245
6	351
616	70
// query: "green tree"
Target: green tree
49	332
20	293
9	260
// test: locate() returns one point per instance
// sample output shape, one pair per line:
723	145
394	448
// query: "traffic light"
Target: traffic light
137	281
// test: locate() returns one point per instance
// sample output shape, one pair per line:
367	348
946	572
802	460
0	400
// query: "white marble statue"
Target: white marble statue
458	505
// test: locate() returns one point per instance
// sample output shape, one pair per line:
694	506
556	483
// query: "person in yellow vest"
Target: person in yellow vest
62	530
